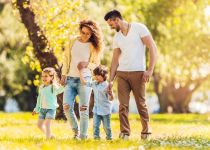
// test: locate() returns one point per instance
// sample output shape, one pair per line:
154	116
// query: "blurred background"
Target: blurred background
33	33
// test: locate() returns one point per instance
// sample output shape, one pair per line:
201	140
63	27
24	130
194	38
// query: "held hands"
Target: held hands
109	90
110	85
63	80
34	113
82	65
147	74
111	97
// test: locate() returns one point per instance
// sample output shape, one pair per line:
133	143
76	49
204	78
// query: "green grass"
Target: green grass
186	131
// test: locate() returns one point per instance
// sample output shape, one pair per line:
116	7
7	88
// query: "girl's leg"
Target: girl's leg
84	98
50	115
48	131
40	125
69	95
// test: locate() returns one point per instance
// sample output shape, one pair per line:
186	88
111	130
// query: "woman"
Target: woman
83	51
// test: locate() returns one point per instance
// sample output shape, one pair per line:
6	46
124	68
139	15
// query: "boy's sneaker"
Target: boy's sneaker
124	136
76	135
108	139
97	138
83	137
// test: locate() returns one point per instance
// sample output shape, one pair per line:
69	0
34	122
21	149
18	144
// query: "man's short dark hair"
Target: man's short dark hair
113	14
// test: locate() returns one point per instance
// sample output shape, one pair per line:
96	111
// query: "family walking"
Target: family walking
82	73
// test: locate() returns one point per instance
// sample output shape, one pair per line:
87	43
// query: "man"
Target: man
129	65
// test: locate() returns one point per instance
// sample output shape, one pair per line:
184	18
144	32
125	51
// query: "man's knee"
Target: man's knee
123	108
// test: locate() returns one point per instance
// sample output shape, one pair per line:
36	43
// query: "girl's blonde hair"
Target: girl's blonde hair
51	72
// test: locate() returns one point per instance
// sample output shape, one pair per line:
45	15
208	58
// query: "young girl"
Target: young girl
47	100
102	104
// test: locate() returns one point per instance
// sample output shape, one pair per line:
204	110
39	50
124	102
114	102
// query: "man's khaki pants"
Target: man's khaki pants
127	82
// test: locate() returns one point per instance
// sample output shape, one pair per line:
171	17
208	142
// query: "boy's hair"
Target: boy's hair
101	71
112	14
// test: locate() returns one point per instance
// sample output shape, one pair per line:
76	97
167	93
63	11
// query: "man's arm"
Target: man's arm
149	42
114	66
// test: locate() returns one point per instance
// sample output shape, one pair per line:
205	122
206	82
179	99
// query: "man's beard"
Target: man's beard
117	29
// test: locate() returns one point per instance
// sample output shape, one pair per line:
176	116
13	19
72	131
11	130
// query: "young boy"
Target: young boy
102	101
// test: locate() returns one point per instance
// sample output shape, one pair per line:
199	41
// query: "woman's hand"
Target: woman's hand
82	65
63	80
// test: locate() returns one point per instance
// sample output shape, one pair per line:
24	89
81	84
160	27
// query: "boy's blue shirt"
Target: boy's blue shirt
102	104
46	94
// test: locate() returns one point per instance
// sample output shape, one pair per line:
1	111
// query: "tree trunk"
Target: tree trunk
174	99
40	42
38	39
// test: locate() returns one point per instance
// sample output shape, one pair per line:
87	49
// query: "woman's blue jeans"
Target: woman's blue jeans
72	89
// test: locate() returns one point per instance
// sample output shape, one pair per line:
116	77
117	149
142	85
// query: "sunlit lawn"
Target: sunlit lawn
191	131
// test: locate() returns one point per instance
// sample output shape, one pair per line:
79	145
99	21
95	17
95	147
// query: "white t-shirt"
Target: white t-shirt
132	57
79	52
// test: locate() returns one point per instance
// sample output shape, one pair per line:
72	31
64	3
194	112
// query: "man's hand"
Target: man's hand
109	87
34	113
63	80
147	74
111	97
82	64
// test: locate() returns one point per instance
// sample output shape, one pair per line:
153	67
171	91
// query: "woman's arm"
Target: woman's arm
65	62
65	59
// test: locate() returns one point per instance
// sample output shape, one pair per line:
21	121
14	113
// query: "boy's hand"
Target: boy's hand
111	97
81	65
34	113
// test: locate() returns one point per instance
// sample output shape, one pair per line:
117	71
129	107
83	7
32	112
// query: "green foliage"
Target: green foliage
180	29
58	20
13	73
181	32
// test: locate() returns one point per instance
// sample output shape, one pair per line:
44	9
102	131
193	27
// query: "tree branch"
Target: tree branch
38	39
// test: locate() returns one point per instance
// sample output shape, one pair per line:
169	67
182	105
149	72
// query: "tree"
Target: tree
11	50
46	48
